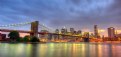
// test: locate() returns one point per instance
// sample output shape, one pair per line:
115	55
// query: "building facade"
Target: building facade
96	31
111	32
72	30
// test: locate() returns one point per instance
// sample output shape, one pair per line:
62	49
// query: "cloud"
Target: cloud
59	13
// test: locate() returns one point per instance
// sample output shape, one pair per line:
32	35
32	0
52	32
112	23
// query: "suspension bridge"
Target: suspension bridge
35	30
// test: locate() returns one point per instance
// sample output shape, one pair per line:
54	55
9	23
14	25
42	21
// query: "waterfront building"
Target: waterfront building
56	37
72	30
63	31
118	35
96	31
111	32
44	36
79	32
57	31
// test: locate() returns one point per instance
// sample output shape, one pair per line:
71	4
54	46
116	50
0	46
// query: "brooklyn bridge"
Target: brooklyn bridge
35	28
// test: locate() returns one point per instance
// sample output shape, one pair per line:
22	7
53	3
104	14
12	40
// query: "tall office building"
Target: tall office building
111	32
63	31
57	31
66	31
72	30
56	37
96	31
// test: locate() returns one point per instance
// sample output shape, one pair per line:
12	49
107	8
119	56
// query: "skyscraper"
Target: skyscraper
57	31
63	31
96	31
111	32
72	30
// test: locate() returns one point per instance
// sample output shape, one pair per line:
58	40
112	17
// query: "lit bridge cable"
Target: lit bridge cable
15	25
43	27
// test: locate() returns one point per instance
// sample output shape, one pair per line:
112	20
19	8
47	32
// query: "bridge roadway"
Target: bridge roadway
22	31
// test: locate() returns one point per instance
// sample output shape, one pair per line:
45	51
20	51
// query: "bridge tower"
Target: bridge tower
34	28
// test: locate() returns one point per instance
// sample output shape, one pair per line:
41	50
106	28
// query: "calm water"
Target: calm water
60	50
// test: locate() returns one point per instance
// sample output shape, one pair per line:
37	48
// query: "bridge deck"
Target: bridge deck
22	31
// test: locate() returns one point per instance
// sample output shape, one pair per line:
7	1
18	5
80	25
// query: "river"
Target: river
60	50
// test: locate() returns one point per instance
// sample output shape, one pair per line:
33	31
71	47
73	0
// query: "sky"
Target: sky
80	14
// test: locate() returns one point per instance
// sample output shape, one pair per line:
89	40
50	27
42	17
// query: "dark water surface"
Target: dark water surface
60	50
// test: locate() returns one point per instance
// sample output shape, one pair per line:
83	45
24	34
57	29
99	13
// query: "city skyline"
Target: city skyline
60	28
78	14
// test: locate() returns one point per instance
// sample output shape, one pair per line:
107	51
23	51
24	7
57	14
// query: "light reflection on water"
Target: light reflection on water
60	50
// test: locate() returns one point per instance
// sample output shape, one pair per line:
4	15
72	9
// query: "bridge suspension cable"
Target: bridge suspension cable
41	26
16	25
44	27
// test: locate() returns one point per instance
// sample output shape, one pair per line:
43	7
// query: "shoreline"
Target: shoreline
60	42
